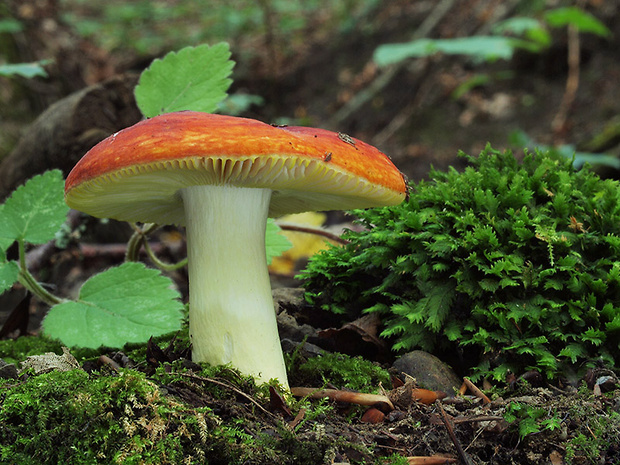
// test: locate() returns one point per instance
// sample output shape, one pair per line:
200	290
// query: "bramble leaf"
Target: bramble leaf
275	242
129	303
194	78
35	211
8	274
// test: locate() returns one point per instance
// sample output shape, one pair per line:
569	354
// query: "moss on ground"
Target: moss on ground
143	415
80	418
355	373
182	413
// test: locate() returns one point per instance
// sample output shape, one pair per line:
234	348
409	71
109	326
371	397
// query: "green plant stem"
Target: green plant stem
160	264
137	240
31	283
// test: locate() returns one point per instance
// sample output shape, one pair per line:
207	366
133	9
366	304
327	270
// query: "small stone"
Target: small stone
50	362
428	371
286	302
7	370
607	383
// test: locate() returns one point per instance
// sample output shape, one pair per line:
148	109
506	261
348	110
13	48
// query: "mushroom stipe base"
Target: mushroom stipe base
232	319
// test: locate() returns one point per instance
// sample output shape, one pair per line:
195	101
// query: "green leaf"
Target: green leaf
529	28
129	303
485	47
194	78
552	423
275	243
595	336
35	211
8	275
613	325
489	285
528	426
27	70
574	16
10	26
573	351
5	242
436	305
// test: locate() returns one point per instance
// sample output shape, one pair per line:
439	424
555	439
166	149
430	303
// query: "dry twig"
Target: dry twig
473	388
231	388
446	421
344	396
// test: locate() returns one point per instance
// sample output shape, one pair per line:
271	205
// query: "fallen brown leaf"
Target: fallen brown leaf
373	415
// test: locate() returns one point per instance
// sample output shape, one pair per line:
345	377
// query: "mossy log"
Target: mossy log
69	128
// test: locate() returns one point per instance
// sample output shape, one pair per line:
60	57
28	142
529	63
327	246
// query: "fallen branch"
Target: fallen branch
474	389
359	398
446	421
430	460
310	230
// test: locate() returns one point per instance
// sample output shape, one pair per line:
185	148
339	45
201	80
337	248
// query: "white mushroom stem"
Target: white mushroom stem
231	313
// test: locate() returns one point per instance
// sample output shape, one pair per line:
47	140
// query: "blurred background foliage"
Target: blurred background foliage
419	79
152	27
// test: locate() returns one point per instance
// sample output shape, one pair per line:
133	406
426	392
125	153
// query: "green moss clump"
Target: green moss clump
515	265
71	417
16	350
355	373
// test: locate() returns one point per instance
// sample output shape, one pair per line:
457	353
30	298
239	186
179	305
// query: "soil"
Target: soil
414	118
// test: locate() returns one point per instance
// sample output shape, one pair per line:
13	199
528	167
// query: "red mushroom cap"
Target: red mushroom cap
135	174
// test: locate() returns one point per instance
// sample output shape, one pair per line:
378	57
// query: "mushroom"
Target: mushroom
221	177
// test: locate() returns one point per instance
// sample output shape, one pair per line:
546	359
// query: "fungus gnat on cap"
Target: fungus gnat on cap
328	156
346	138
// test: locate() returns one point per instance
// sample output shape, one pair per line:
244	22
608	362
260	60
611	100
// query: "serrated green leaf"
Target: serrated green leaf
194	78
35	211
613	325
129	303
453	331
275	243
436	305
488	284
528	426
595	336
5	242
8	275
573	352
